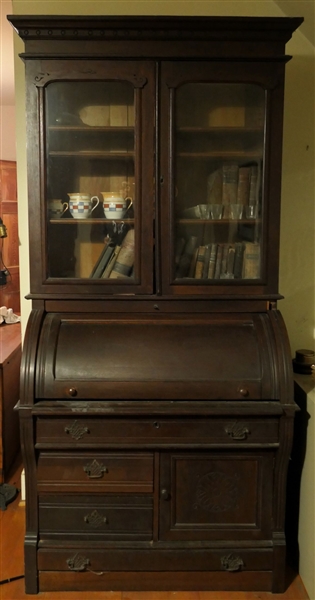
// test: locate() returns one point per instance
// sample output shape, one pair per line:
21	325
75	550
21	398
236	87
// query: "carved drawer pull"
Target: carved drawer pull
232	563
237	431
95	470
95	519
76	430
80	563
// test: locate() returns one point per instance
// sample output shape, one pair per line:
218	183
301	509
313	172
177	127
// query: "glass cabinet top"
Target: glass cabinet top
219	141
90	186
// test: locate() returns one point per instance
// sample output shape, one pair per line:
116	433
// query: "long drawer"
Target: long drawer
227	559
100	472
89	432
95	517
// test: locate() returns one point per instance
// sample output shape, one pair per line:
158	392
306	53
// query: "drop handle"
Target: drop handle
165	495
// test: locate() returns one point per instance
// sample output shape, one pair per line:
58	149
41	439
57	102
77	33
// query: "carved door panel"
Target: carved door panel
218	495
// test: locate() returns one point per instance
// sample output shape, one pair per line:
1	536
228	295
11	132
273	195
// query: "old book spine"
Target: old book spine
111	262
243	185
185	259
229	187
125	259
212	260
200	262
218	262
238	260
251	261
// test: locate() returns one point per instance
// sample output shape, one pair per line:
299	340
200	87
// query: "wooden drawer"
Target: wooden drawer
97	472
231	560
105	517
89	432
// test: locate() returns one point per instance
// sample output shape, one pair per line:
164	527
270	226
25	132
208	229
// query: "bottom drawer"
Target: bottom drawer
230	560
108	517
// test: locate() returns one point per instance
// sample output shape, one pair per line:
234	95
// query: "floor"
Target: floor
12	523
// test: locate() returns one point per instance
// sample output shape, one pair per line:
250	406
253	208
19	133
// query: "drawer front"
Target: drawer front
97	472
106	517
112	431
230	560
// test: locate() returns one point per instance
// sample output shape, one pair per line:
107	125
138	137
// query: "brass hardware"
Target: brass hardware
237	431
73	392
95	470
80	563
232	563
95	519
76	430
156	425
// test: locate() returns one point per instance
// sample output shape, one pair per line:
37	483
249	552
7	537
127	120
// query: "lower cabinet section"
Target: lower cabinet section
148	516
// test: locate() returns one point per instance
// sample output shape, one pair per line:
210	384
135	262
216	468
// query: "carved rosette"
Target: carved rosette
217	492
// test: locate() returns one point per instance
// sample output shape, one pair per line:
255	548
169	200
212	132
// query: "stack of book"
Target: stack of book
239	260
116	260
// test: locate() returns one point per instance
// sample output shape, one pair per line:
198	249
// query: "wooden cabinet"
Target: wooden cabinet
156	405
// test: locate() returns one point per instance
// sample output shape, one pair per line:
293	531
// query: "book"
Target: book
214	187
108	269
206	261
243	185
218	262
192	267
186	257
212	260
229	183
125	259
103	259
251	260
230	261
238	260
225	250
200	262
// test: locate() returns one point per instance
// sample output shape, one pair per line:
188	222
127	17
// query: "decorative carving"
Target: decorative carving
237	431
217	492
232	563
76	430
95	519
95	470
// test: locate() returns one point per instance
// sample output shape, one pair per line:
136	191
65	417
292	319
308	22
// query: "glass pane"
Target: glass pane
219	144
90	149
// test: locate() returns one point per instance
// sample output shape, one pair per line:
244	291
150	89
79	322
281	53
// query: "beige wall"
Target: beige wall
297	228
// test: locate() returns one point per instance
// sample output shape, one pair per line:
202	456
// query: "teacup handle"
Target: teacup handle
65	207
97	202
130	200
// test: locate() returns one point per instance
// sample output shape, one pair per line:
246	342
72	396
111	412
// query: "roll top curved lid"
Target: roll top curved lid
212	357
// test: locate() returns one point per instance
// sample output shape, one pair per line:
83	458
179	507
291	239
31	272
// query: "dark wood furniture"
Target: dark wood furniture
157	398
10	360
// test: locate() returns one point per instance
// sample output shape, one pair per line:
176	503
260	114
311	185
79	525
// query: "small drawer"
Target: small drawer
88	432
105	517
97	472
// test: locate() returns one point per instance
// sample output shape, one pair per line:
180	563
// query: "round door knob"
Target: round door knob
244	392
165	495
73	392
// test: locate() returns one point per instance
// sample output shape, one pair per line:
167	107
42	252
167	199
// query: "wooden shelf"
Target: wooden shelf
92	221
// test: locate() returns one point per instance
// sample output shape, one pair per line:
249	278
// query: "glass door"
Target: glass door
98	203
215	193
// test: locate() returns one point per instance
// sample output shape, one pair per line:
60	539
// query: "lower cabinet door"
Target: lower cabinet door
216	496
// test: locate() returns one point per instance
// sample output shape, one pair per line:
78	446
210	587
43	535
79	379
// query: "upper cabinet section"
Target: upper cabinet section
154	154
